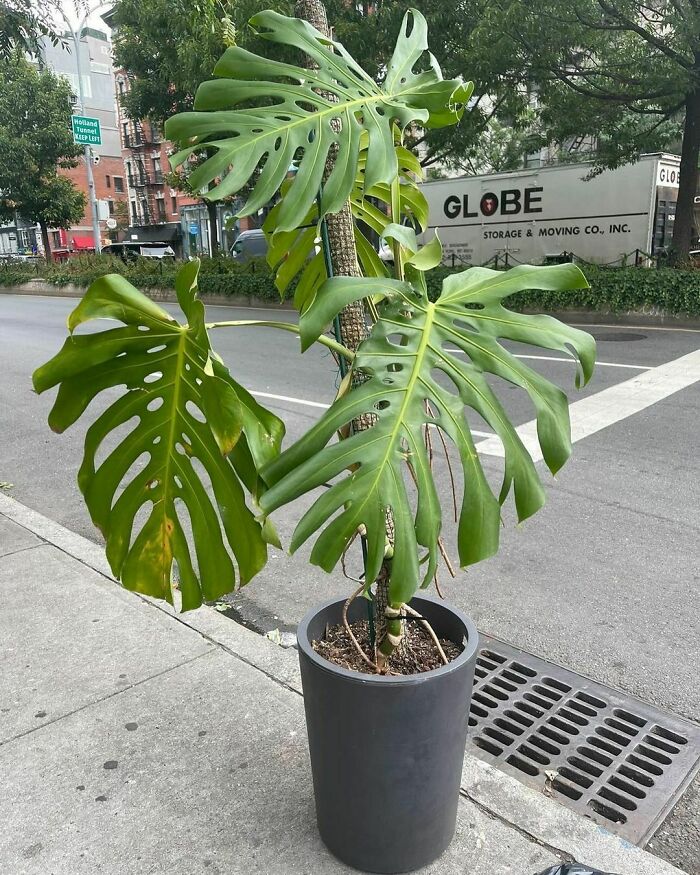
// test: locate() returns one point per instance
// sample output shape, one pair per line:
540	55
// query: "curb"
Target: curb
535	816
658	319
39	288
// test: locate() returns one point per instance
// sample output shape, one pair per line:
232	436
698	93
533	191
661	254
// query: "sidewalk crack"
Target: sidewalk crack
564	856
23	549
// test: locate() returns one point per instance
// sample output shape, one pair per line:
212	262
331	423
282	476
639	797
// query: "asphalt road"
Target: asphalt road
604	580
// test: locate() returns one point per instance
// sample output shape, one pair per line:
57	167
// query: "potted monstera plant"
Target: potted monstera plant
192	466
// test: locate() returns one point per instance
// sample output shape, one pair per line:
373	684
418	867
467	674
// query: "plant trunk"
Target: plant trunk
687	188
45	240
352	321
213	228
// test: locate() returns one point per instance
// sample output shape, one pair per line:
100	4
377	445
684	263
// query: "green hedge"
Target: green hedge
613	289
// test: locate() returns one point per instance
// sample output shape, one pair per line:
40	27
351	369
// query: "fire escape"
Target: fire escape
146	181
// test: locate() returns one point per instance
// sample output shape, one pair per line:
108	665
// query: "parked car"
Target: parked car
249	245
131	250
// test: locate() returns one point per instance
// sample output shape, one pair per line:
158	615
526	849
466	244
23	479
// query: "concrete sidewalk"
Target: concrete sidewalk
133	740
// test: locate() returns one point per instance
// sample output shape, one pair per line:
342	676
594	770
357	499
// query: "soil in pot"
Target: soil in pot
417	654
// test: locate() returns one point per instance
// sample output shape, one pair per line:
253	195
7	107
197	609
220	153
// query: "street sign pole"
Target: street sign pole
88	155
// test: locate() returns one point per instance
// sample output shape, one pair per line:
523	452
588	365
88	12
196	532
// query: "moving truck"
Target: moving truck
539	214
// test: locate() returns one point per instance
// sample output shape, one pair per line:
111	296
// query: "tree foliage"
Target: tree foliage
626	72
367	31
169	47
22	25
35	142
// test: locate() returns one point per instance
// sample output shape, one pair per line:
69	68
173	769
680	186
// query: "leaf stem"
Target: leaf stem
284	326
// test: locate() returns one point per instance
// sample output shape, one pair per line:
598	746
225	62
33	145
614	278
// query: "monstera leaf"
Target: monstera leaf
296	255
414	380
303	115
186	415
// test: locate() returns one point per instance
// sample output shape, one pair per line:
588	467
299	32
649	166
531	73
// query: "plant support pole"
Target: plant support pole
338	237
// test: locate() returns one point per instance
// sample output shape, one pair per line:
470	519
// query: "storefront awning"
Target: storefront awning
82	242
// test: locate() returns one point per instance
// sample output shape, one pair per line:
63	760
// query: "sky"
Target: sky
75	9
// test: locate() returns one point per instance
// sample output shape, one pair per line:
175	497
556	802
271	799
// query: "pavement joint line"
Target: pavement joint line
102	699
23	549
9	504
614	404
564	856
212	640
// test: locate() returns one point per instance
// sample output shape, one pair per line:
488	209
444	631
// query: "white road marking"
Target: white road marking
551	358
598	411
305	403
623	326
301	401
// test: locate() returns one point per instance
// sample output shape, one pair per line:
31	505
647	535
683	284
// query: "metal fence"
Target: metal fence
505	260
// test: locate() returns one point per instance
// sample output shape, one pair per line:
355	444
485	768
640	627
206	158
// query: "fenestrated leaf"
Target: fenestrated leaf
296	254
294	118
171	382
403	391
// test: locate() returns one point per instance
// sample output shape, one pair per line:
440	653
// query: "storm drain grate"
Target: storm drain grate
614	759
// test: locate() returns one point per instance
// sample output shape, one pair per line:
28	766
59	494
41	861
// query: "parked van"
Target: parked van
130	251
249	245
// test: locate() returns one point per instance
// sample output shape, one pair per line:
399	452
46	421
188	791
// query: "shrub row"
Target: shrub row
613	289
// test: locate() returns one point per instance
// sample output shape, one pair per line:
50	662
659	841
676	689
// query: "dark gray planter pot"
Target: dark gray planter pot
386	752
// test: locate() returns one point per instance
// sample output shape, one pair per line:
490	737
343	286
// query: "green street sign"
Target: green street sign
86	130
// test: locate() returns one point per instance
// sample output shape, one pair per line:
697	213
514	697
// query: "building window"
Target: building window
125	134
157	170
110	207
109	181
118	184
134	213
160	207
173	204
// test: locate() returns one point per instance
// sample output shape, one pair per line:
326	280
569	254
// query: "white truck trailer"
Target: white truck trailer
536	215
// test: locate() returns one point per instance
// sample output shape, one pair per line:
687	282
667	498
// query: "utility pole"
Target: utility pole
75	36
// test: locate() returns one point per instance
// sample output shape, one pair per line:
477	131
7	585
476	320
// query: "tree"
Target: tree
22	24
35	142
169	47
367	29
626	72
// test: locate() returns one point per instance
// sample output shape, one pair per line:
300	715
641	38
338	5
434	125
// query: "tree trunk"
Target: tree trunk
687	189
213	227
352	321
45	240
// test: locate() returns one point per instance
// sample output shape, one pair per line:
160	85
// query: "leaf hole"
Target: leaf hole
397	339
154	405
382	405
195	412
158	348
153	378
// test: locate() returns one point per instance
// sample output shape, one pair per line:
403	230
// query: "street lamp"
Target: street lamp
75	36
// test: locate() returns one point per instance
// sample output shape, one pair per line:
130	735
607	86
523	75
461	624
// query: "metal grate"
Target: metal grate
608	756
